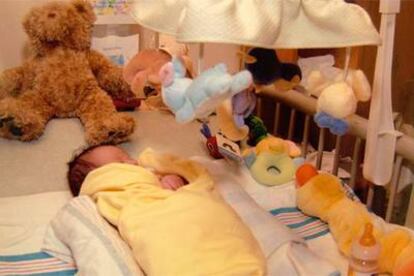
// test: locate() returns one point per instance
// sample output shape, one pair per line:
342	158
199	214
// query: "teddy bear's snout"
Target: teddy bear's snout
51	15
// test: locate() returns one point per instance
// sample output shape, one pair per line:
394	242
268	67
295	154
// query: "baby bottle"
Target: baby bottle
365	253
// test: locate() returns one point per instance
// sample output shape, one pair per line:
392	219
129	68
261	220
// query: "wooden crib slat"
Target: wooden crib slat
291	124
305	140
300	101
355	162
358	124
277	118
394	186
243	50
337	155
370	196
157	40
321	143
200	58
259	109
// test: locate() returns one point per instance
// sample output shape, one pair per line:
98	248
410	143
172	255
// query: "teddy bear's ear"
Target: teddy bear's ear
85	9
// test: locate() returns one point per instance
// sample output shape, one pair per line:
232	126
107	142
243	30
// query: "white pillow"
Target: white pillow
78	233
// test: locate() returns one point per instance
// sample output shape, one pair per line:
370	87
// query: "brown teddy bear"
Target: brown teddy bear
63	77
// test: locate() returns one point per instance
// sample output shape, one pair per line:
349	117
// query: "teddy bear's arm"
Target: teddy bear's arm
109	76
11	81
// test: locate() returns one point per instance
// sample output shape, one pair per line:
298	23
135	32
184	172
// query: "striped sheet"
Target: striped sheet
305	226
39	263
350	193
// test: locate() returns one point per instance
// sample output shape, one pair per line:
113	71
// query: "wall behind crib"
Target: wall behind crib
11	30
13	39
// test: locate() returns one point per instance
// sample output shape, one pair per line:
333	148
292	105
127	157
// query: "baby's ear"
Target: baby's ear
167	74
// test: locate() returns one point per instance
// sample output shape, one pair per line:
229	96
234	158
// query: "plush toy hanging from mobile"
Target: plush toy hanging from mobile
267	69
338	97
232	114
195	98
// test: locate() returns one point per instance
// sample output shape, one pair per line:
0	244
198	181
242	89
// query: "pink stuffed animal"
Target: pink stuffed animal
142	70
142	73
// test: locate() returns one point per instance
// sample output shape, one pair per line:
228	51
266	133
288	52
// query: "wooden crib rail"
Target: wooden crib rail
358	125
358	128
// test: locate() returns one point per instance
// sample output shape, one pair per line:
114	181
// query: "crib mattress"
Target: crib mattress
40	166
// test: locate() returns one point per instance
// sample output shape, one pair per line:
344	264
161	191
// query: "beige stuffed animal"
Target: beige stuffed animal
339	97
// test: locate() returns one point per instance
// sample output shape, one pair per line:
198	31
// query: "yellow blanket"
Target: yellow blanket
191	231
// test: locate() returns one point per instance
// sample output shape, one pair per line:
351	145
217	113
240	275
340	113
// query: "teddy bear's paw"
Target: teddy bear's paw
9	128
24	128
114	130
117	136
114	136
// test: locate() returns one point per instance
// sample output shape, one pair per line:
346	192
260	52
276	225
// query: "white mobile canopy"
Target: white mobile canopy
293	24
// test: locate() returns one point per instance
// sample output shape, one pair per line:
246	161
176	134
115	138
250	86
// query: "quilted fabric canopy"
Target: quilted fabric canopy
260	23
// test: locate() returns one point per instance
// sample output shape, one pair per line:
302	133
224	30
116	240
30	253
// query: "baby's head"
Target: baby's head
97	156
92	158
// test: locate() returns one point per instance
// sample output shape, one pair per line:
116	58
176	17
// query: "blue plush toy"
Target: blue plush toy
190	99
335	125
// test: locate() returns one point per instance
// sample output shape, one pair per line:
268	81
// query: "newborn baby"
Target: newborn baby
169	212
95	157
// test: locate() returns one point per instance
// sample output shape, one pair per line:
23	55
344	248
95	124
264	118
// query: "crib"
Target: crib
302	109
307	106
287	114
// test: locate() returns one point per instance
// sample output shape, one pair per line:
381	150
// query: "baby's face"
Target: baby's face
103	155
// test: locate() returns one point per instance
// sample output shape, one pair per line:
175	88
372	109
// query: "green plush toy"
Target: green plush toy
257	130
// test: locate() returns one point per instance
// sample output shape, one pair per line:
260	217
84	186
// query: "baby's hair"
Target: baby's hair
79	169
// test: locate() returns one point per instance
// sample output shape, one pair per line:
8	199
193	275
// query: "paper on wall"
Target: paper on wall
119	49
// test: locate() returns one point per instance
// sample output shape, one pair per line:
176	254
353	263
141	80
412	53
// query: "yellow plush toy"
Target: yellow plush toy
271	161
227	124
323	196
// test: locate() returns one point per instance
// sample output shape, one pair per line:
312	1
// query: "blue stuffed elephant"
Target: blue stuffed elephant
190	99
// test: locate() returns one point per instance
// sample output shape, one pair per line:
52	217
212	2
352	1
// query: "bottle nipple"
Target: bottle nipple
367	238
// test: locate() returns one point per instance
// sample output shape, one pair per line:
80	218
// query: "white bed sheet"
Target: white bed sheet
274	198
33	185
24	219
